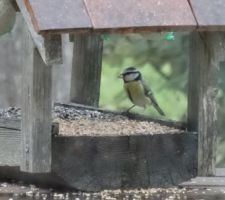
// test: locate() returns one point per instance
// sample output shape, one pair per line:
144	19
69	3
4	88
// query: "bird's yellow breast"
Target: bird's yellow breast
135	91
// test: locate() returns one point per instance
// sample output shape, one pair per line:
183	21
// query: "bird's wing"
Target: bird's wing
126	88
149	93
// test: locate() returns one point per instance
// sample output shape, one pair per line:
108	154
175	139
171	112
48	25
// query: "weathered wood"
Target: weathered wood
96	163
209	14
69	15
49	46
86	69
193	80
10	141
36	110
10	153
205	182
13	124
220	172
15	6
206	54
7	16
107	15
173	14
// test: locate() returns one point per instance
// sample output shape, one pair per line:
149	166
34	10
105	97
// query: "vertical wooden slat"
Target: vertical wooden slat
193	81
86	69
206	52
36	110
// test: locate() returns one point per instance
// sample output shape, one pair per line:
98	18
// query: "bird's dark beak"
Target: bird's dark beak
120	76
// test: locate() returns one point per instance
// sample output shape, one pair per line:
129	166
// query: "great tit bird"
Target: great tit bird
137	91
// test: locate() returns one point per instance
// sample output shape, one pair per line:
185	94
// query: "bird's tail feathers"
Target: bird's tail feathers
156	106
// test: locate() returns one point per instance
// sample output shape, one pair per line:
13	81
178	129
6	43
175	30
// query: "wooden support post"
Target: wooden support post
205	55
86	69
36	110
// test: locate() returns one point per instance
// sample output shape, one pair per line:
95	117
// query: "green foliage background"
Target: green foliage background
164	65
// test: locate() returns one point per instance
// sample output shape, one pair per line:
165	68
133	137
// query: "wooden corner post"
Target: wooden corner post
86	68
206	53
36	109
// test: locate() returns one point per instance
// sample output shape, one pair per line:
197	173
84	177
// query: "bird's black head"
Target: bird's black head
131	74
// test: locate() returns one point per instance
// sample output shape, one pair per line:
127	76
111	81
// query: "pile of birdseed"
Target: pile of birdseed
26	192
96	123
75	121
120	126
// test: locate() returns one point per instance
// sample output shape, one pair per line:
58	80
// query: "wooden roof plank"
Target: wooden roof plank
152	14
209	14
119	16
56	15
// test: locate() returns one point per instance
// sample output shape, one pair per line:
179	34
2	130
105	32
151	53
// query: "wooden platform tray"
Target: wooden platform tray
94	163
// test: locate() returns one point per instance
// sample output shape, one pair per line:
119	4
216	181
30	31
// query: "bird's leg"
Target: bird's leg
128	110
144	109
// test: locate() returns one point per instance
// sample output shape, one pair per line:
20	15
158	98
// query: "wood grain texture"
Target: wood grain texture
220	172
14	4
206	54
73	16
13	124
10	151
96	163
10	141
36	110
193	80
56	15
49	46
151	14
202	182
209	14
86	69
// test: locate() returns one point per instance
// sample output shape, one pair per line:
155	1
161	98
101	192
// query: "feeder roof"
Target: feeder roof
209	14
118	15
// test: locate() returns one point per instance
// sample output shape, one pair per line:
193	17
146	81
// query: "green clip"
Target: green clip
105	36
169	36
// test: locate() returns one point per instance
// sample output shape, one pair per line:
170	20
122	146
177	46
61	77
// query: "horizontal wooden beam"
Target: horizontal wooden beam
203	182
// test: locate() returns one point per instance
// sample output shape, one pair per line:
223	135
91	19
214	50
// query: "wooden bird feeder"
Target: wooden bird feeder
100	162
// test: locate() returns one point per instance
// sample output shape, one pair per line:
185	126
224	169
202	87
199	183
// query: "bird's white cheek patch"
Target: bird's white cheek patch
131	77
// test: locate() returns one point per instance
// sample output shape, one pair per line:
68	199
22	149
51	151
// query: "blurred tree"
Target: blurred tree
163	63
